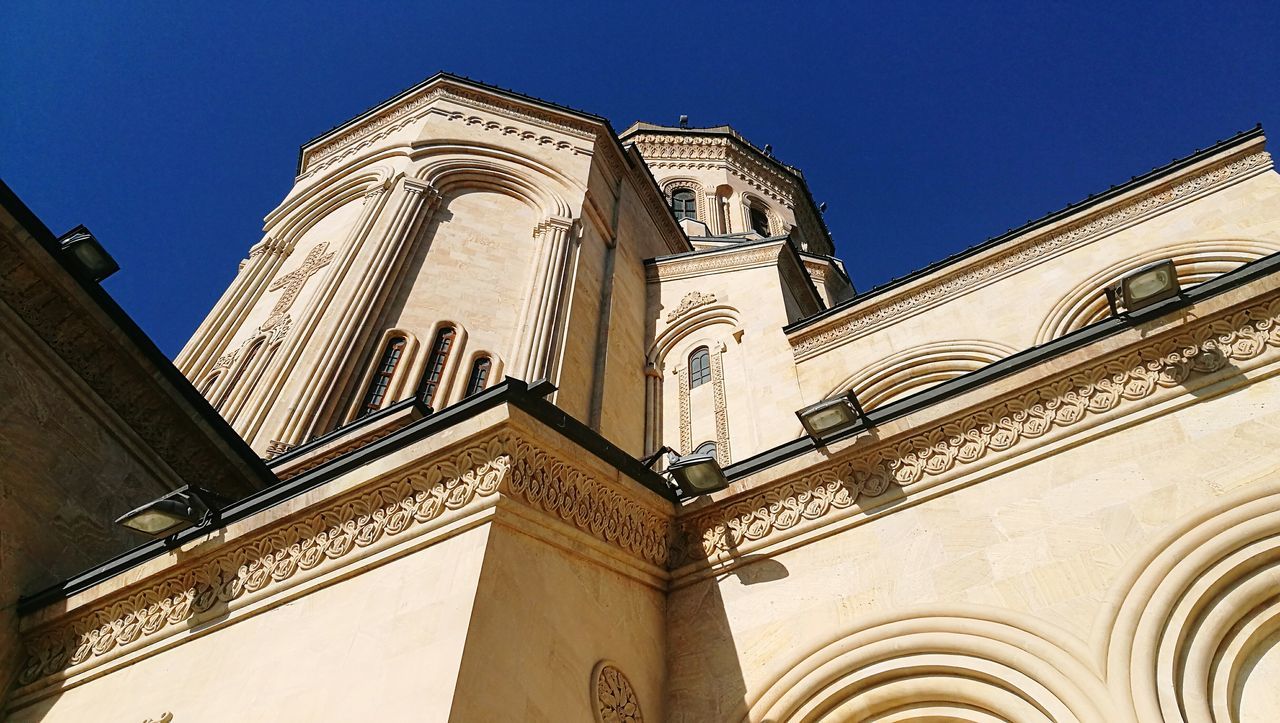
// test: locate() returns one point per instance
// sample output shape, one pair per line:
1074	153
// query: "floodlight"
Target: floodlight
698	474
88	253
832	416
1142	288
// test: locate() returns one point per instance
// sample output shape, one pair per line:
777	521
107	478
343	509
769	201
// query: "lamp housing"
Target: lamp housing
1144	287
177	510
832	416
84	250
698	474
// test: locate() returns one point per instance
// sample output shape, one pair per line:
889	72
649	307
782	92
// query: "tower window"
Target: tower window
683	204
381	381
759	220
435	365
479	376
699	367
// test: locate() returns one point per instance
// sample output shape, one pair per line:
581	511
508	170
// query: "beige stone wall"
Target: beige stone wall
1045	556
1210	218
386	643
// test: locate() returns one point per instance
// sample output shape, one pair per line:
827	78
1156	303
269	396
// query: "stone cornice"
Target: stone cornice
405	108
692	152
951	281
712	262
340	532
1059	405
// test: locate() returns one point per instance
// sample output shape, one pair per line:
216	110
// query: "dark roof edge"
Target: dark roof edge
524	397
1238	139
1024	359
255	469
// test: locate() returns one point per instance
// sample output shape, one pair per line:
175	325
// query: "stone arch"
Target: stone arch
455	167
1192	612
965	662
1195	261
699	194
293	218
917	368
688	331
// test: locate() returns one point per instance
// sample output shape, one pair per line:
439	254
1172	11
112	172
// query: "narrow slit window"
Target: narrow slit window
479	377
435	365
684	204
699	367
376	394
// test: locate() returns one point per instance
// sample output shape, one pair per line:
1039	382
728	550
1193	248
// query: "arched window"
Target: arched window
699	367
708	448
759	220
435	365
684	204
248	360
479	376
381	381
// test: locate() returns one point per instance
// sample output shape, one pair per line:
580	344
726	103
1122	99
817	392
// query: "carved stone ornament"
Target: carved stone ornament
691	301
164	718
407	503
847	327
613	699
1059	402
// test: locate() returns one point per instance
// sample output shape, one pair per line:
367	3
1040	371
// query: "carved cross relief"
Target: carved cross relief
292	282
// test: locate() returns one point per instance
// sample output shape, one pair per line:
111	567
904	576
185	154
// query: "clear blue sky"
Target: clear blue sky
171	129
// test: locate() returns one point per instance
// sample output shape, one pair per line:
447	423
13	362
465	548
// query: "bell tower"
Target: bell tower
449	237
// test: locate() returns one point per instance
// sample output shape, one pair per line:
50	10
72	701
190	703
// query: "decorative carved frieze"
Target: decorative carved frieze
894	306
409	502
691	301
686	424
715	261
1060	402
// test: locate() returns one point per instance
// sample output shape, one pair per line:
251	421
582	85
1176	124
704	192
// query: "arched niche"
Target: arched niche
1195	262
918	368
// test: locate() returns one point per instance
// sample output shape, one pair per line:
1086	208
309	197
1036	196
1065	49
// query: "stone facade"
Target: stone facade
1042	530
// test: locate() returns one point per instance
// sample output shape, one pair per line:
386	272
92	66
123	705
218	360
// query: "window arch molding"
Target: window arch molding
751	200
679	338
401	379
467	365
1195	262
671	185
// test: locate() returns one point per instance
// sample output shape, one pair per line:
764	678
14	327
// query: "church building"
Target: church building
510	416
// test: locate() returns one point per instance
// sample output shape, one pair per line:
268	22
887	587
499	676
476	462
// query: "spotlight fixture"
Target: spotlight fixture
832	416
1142	288
698	474
179	509
87	252
684	121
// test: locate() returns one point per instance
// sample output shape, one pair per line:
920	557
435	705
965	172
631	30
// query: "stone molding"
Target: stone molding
405	504
1060	402
398	115
693	152
691	301
847	327
696	264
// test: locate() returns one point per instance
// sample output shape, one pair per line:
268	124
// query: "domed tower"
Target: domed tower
448	237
